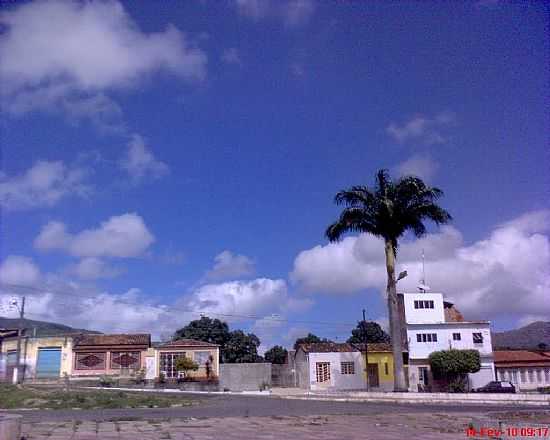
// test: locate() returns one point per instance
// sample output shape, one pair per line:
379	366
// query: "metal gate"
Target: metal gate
48	363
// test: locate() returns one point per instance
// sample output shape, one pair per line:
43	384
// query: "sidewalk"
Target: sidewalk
542	400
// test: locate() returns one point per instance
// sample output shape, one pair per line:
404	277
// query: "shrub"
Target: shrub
106	381
185	364
453	366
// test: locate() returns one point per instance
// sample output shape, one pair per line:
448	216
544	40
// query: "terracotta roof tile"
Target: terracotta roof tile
333	347
185	343
521	356
120	339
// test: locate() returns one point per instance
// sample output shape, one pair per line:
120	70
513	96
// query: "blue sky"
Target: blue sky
165	157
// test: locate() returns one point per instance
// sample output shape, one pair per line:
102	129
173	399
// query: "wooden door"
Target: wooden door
372	374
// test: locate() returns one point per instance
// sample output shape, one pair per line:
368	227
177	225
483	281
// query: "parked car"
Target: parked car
497	386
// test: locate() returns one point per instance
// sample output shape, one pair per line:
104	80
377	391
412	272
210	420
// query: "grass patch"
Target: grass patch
12	397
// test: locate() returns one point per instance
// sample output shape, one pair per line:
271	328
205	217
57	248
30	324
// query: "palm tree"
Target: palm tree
388	211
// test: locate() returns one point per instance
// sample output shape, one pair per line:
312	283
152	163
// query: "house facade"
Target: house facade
379	361
120	354
432	324
526	369
204	354
327	366
44	357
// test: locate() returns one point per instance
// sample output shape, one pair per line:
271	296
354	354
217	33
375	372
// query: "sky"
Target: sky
163	160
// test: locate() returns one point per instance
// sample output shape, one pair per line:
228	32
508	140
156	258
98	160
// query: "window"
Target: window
547	375
514	375
90	361
322	371
168	363
423	304
530	375
456	337
523	376
478	338
426	337
501	375
386	369
347	367
201	357
539	376
120	359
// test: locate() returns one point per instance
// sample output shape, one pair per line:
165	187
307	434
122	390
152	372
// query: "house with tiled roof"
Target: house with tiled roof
343	366
204	354
526	369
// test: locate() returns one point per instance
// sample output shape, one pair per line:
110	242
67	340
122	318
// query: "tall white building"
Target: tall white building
433	324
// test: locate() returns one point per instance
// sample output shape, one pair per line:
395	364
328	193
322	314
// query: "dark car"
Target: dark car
497	386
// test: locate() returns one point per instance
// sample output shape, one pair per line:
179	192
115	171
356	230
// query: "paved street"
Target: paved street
425	426
248	417
217	406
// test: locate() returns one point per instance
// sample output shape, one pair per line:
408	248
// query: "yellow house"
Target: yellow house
43	357
379	371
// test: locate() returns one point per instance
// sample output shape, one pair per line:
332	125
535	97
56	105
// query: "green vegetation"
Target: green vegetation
388	210
235	346
12	397
185	364
367	331
453	366
276	355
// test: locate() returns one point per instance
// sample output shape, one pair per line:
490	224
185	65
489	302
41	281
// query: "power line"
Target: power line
177	309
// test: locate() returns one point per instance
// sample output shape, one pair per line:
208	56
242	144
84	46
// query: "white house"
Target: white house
526	369
330	366
432	324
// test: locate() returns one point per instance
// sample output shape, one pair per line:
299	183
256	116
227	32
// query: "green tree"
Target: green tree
241	348
309	339
453	366
389	210
205	329
185	364
370	332
276	355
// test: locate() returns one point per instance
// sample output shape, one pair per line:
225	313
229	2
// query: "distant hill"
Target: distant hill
528	337
43	328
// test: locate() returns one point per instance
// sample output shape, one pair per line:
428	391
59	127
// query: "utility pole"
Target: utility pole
16	375
366	348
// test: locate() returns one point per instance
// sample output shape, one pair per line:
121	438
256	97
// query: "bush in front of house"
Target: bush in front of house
185	364
452	366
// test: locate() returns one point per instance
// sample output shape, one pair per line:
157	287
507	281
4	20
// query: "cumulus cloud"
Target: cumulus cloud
82	50
19	270
139	162
506	274
230	266
93	268
423	166
121	236
428	130
292	13
44	184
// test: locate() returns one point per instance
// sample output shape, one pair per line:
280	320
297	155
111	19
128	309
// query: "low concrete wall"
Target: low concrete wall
245	377
10	426
283	376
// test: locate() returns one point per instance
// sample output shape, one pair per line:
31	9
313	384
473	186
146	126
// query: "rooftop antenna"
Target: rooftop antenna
423	287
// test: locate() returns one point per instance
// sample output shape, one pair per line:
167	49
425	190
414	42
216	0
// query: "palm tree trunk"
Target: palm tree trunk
399	383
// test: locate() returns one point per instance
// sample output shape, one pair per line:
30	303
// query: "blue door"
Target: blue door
49	362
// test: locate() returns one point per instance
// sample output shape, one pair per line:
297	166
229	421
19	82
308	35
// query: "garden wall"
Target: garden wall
245	377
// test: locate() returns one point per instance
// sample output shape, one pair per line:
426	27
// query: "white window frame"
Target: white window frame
347	367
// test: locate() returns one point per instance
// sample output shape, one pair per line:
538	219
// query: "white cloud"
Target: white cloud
506	274
423	166
258	296
230	266
231	56
80	51
93	268
121	236
139	162
19	270
292	13
44	184
422	128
